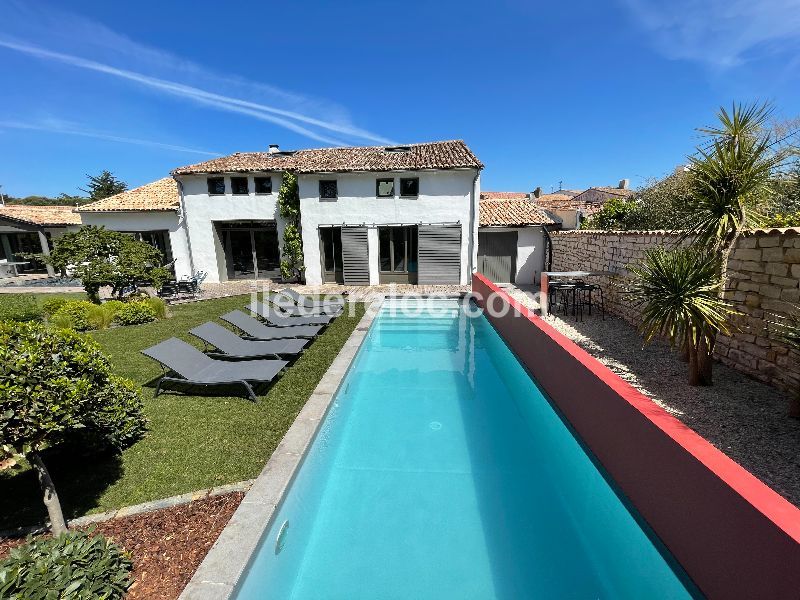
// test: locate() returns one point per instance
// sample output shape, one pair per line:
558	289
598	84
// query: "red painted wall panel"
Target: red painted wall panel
734	536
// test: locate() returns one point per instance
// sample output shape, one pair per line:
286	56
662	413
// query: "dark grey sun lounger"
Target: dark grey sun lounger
232	346
281	320
326	306
196	368
256	329
286	307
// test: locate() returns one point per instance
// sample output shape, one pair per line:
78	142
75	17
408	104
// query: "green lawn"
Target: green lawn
194	442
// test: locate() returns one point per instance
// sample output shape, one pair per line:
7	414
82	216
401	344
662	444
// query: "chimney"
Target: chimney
537	192
273	148
623	184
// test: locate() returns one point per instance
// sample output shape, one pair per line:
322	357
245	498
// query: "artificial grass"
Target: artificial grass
194	442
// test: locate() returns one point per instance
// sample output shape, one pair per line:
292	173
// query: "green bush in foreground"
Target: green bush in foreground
52	305
135	313
56	385
19	307
73	566
80	315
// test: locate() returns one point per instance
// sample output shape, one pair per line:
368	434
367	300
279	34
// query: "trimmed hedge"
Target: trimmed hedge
73	566
135	313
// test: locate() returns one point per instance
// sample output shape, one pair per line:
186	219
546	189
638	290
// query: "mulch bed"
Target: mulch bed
167	545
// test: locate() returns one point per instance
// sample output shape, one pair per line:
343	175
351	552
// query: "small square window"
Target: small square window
384	188
263	185
216	185
409	187
239	186
328	188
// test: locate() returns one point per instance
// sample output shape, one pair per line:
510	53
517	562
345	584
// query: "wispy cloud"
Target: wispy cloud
719	33
56	126
167	74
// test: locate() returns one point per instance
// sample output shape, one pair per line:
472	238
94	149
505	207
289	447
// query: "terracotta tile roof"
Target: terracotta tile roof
553	201
158	195
504	195
613	191
43	216
453	154
511	213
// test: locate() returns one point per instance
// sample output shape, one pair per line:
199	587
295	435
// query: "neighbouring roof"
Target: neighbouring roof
504	195
158	195
41	216
553	201
453	154
515	212
612	191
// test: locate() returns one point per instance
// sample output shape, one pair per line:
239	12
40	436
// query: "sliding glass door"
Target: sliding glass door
330	240
397	253
251	250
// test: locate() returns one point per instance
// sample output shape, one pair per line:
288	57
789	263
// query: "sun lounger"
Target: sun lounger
287	307
196	368
258	330
265	311
325	306
232	346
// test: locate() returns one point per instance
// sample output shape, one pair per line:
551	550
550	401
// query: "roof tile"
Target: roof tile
158	195
511	213
43	216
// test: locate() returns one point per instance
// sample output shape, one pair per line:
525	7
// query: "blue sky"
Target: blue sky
580	92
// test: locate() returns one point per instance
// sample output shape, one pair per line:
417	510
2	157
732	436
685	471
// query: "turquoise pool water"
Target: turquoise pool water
441	471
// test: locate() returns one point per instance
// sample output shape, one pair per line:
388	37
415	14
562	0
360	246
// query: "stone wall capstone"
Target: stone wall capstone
763	281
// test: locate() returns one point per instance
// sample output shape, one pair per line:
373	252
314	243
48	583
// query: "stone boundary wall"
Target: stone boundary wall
763	280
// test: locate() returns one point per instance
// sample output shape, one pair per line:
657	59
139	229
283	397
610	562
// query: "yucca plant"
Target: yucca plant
786	329
679	293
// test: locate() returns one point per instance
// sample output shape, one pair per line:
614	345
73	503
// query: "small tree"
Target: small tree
679	292
99	257
103	185
292	266
55	384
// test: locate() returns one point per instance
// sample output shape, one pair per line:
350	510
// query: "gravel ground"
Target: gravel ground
742	417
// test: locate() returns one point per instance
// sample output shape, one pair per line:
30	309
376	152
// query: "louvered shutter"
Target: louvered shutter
439	254
355	256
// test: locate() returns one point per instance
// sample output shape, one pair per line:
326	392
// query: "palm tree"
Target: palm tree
730	176
678	290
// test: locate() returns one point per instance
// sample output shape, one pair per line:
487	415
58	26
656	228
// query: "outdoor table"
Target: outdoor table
546	275
14	265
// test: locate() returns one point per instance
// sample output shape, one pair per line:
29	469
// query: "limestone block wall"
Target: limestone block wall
763	282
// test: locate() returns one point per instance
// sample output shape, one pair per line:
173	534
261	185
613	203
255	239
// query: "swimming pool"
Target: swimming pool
441	471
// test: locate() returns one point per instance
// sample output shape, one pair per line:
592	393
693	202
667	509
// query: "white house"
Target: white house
512	237
27	230
369	215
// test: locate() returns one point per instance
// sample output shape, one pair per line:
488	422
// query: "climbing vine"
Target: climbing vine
292	266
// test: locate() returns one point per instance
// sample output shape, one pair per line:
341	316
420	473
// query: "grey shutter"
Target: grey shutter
497	255
355	256
439	254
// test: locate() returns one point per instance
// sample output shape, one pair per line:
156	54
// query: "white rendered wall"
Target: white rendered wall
530	252
148	221
202	210
444	197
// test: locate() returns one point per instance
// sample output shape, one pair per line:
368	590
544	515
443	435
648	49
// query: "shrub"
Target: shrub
19	307
54	385
79	315
158	305
135	313
52	305
73	566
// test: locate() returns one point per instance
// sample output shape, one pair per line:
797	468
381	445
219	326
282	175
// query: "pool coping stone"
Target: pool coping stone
218	574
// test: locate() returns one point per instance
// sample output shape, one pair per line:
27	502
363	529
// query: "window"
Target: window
239	186
328	189
263	185
216	185
384	188
409	187
397	249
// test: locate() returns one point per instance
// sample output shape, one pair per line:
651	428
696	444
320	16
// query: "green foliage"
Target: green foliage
73	566
100	257
783	220
80	315
61	200
158	305
135	313
730	176
289	207
679	292
103	185
19	307
52	305
616	214
56	382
